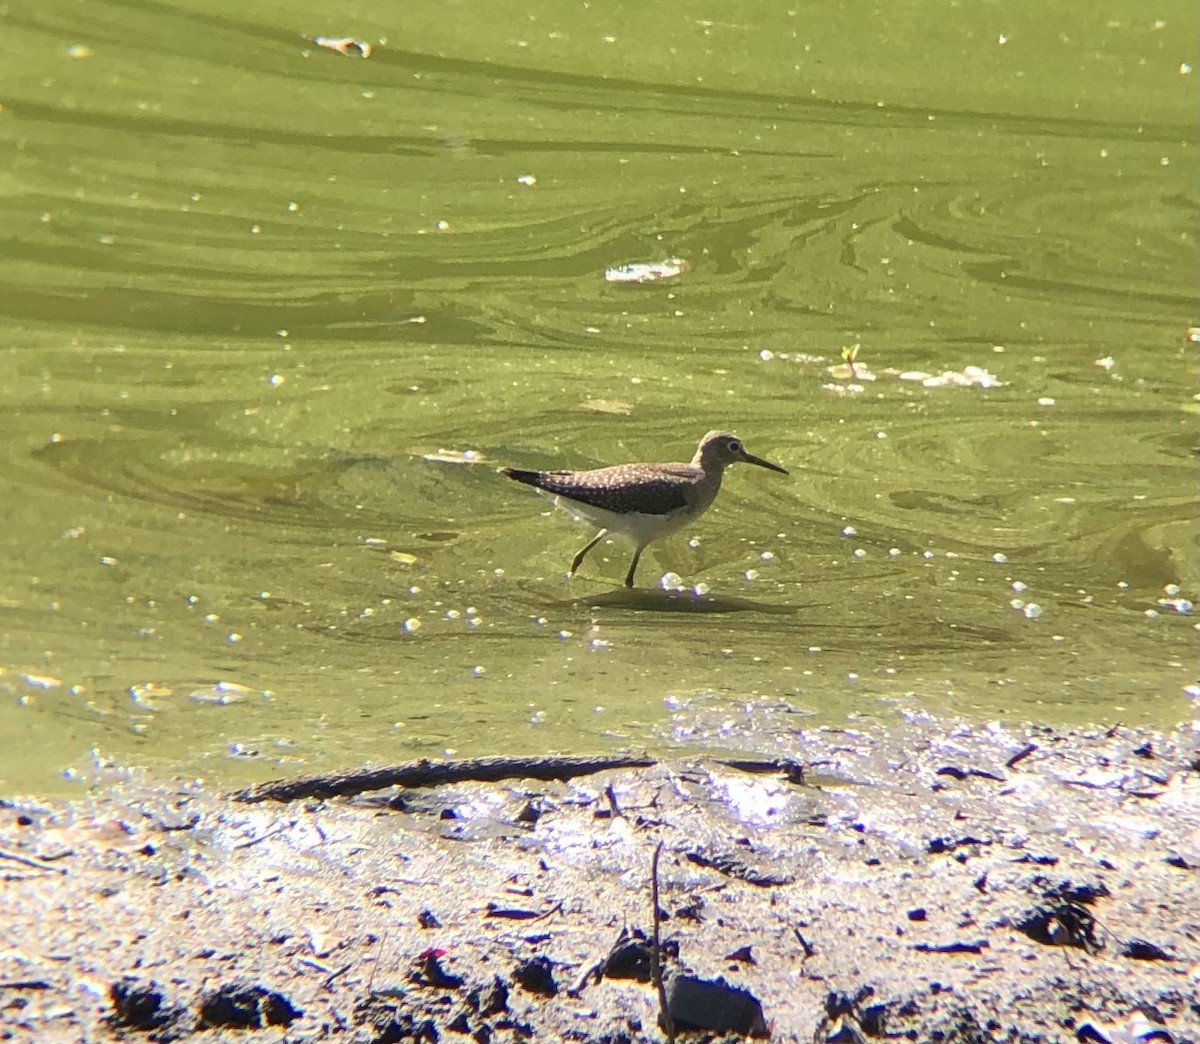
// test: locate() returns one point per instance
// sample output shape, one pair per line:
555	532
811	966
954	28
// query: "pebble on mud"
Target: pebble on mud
248	1005
711	1004
141	1005
537	976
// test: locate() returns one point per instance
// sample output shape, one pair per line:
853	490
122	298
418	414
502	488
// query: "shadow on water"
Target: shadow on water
675	602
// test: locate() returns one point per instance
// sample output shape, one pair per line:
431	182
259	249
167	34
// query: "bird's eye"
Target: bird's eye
735	446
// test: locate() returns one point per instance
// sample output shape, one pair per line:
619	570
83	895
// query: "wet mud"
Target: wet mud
927	883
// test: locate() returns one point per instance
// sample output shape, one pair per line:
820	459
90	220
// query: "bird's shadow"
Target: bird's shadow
675	602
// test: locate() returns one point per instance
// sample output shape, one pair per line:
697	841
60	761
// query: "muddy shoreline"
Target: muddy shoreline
943	882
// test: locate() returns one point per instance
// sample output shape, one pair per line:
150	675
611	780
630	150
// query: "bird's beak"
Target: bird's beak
750	458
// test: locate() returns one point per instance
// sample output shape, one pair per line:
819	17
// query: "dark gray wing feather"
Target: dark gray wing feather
655	489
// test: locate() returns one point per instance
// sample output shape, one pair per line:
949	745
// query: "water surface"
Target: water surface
271	315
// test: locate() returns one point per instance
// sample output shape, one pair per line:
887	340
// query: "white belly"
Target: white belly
634	526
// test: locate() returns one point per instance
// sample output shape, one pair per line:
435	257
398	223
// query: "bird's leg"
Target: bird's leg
633	567
578	559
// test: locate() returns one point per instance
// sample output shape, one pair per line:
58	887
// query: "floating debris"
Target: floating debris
766	355
223	693
345	45
146	694
849	368
845	389
646	272
967	377
607	406
445	456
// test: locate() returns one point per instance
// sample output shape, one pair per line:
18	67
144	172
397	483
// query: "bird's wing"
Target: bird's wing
652	490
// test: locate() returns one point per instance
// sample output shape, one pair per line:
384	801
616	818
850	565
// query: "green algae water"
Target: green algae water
271	315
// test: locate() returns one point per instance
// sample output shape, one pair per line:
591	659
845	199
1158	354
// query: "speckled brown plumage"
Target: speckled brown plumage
642	502
653	489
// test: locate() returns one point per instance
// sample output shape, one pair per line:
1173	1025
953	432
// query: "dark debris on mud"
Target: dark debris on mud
964	885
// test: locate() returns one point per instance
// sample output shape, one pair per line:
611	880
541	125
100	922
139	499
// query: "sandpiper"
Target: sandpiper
642	502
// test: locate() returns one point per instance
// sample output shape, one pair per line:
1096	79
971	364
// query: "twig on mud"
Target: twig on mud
556	908
514	914
790	768
808	947
426	773
593	972
375	966
308	962
656	947
1021	755
263	837
16	857
333	976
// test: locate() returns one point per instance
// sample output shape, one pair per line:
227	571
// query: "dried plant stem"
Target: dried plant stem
656	948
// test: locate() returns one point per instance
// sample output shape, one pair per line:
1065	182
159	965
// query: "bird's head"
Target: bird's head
719	448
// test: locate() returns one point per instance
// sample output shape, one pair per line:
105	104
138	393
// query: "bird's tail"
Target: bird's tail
530	478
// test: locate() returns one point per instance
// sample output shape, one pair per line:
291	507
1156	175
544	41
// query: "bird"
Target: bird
642	502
